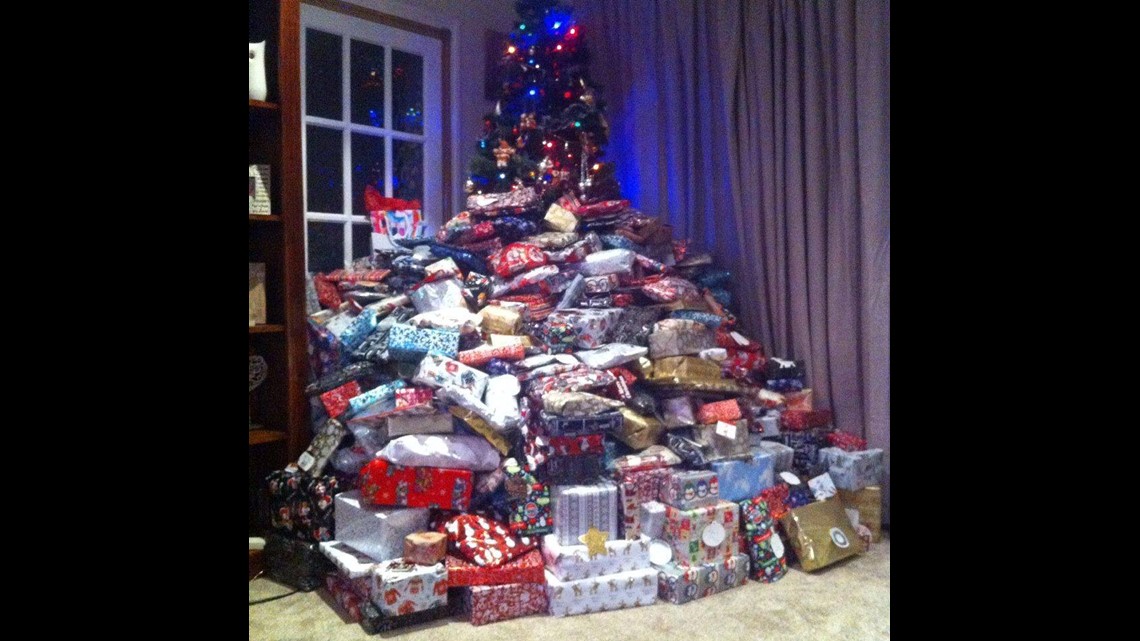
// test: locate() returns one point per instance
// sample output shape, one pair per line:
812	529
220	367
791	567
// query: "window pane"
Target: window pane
408	171
367	64
325	177
367	168
326	246
361	240
407	92
322	74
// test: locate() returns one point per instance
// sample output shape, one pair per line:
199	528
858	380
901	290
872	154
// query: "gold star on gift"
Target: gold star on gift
595	541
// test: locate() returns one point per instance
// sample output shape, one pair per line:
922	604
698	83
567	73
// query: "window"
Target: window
373	113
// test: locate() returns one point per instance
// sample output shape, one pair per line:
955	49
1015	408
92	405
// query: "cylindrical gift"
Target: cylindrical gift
425	548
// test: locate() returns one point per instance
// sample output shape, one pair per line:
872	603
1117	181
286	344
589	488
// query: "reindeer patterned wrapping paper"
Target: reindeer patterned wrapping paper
577	508
377	532
677	584
399	587
384	483
490	603
598	594
573	562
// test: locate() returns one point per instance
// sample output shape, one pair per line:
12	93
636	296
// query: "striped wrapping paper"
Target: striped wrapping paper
577	508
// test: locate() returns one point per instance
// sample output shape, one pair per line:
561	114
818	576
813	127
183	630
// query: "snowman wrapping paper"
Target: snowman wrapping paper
703	534
686	489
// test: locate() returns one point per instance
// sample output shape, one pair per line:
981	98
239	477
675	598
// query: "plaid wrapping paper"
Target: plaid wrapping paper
800	420
410	344
384	483
483	541
336	400
490	603
688	489
636	487
403	588
577	508
529	501
678	584
301	506
527	568
611	592
573	562
703	534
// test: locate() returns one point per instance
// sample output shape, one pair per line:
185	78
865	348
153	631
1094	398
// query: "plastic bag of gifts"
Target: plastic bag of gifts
392	219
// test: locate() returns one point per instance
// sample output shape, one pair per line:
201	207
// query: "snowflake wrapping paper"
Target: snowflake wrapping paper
384	483
743	479
573	562
853	470
376	531
490	603
678	584
402	588
577	508
527	568
314	459
703	534
598	594
410	344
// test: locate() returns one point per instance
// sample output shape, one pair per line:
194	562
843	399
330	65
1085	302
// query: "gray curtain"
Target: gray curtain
761	130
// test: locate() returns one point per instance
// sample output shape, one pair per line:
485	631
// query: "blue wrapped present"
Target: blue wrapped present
744	479
359	329
410	344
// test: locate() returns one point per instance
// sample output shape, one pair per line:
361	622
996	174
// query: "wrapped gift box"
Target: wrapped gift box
703	534
635	488
806	446
598	594
679	584
527	568
853	470
440	294
769	424
764	545
314	459
577	508
410	344
373	621
425	548
485	541
436	370
743	479
376	531
728	411
345	596
800	420
652	516
591	326
573	562
577	445
638	431
336	400
781	454
351	563
399	587
847	442
722	439
528	500
403	424
490	603
655	457
299	564
301	506
500	320
582	468
687	489
375	395
869	502
680	337
574	426
384	483
821	534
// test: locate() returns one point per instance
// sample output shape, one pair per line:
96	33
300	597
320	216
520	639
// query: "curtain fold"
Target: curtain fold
761	130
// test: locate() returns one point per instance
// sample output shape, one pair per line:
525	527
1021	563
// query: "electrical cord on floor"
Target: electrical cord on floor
272	598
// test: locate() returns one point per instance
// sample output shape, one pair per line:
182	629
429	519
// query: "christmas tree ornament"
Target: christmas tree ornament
588	96
503	154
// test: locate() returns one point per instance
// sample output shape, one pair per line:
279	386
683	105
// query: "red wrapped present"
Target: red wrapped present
384	483
483	541
592	210
408	398
622	300
577	445
490	603
727	411
345	596
737	341
345	276
798	400
327	293
777	498
527	568
741	363
800	420
846	442
516	258
483	354
336	400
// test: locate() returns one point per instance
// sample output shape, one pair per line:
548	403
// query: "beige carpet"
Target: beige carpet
850	601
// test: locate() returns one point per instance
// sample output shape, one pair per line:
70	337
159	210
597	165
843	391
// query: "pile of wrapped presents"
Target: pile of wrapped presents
548	411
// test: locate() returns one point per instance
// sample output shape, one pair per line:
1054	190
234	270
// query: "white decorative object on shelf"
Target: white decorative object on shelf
257	87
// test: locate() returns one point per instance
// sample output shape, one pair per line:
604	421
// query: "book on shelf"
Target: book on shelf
259	190
256	294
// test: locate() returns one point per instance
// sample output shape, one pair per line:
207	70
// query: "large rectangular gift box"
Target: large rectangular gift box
410	344
869	502
678	584
743	479
635	489
384	483
574	426
852	470
577	508
527	568
722	439
572	562
805	449
402	588
821	534
598	594
490	603
703	534
686	489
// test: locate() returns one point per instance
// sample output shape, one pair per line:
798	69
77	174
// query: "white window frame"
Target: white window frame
431	50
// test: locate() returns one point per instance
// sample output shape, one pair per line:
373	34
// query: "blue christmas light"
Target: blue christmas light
577	123
532	92
522	27
557	24
502	176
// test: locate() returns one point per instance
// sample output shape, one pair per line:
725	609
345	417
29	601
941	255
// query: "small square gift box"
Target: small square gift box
727	411
678	584
497	319
410	344
599	594
687	489
579	508
425	548
490	603
853	470
703	534
821	534
527	568
375	531
384	483
591	327
399	587
572	562
336	400
744	478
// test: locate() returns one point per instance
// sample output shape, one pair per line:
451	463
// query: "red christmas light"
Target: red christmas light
567	95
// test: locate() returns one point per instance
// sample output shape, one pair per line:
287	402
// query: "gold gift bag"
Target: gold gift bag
869	502
821	534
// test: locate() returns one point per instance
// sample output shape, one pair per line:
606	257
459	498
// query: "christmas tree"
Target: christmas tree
548	128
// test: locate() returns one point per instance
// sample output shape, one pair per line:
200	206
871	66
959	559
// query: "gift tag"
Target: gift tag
789	478
713	534
659	552
727	430
306	461
777	545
